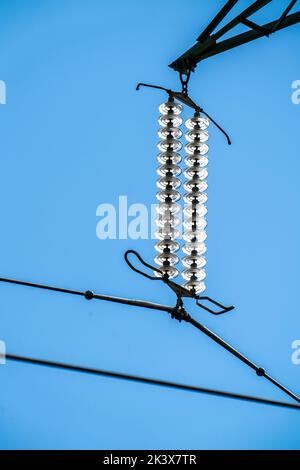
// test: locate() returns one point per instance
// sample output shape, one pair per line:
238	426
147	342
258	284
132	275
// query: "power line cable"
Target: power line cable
89	295
178	312
148	381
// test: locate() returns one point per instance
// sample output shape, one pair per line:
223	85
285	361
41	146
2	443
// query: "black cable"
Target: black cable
41	286
148	381
176	312
259	370
89	295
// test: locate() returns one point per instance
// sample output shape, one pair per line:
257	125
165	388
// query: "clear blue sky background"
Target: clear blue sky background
74	134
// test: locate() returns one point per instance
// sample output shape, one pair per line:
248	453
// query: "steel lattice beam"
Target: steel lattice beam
198	53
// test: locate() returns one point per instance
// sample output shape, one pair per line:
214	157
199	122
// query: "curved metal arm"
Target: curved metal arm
180	291
153	268
157	87
185	99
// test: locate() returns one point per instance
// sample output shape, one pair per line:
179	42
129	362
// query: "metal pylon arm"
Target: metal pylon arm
207	44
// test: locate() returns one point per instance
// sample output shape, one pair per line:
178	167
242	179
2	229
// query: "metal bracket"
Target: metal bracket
184	98
181	293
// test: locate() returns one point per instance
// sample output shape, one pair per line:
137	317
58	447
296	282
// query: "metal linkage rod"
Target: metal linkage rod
284	15
148	381
259	370
258	5
89	295
200	52
217	20
249	36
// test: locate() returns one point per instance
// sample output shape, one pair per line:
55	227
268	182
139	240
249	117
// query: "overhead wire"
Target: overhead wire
147	380
178	312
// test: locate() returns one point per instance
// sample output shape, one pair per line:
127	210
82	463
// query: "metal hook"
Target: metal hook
179	290
135	253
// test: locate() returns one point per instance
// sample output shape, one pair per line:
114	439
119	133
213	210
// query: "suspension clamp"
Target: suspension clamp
179	313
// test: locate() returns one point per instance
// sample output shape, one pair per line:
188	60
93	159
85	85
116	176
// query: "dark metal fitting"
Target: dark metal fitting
179	313
184	79
260	372
89	295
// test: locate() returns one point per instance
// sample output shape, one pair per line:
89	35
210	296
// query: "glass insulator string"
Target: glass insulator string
194	201
195	198
168	183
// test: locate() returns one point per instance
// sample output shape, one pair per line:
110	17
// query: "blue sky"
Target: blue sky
75	134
